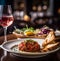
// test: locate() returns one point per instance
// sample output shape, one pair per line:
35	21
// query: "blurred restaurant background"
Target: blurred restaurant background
34	13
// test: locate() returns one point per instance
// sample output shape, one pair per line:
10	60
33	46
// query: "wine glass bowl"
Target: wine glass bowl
7	18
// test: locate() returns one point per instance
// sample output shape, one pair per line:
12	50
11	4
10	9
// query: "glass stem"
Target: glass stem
5	31
5	39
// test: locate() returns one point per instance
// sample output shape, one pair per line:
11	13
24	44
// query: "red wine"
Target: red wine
6	21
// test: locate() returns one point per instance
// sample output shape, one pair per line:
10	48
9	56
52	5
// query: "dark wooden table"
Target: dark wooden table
10	57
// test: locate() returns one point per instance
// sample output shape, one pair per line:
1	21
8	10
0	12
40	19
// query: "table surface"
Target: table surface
10	57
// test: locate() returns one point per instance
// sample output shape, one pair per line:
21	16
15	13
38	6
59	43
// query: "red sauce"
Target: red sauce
29	46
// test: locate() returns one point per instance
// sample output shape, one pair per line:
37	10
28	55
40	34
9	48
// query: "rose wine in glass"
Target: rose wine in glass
6	19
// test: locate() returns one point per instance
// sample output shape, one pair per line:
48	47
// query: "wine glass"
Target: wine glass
6	18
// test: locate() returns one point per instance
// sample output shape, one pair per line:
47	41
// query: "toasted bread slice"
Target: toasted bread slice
49	39
51	47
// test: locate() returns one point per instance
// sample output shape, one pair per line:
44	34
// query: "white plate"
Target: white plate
9	44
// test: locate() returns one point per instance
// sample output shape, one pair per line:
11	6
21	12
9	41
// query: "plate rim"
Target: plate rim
27	53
